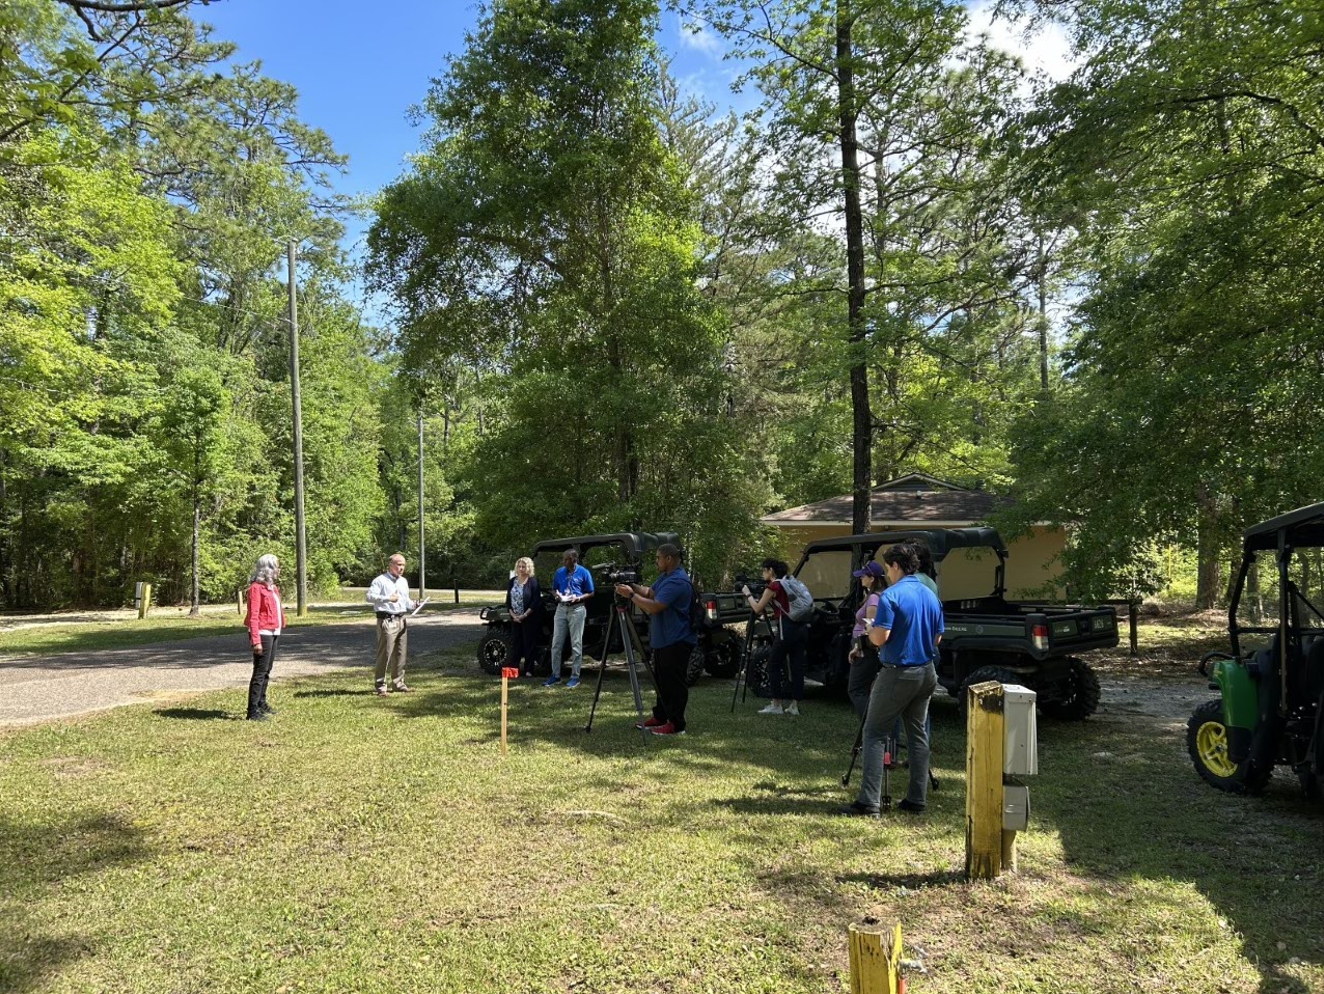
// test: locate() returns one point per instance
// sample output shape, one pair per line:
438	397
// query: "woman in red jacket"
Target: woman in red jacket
265	620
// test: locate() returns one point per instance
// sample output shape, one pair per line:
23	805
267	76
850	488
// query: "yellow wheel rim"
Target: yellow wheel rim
1211	744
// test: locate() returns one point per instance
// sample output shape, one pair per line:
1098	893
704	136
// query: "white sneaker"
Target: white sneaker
792	708
772	709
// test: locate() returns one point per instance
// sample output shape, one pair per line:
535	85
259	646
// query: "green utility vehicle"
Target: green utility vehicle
1030	643
1272	682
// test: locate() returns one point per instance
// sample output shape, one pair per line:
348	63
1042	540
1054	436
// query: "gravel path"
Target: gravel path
41	688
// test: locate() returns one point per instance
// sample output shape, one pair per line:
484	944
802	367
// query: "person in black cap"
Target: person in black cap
863	655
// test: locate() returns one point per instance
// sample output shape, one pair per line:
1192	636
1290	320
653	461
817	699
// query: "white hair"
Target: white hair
265	570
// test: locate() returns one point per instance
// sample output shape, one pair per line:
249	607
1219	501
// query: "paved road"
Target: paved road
39	688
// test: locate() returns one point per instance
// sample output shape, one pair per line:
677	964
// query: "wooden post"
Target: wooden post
1133	618
239	598
875	952
508	673
985	845
456	583
146	601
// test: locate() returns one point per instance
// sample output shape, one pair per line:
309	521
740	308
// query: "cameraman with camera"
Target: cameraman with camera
670	636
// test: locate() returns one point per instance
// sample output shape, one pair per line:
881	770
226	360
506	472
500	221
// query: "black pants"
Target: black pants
792	645
860	681
669	665
257	686
524	638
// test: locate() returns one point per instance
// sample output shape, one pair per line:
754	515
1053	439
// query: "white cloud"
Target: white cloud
699	37
1047	51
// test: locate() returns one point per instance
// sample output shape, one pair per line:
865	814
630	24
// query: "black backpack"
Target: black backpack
697	617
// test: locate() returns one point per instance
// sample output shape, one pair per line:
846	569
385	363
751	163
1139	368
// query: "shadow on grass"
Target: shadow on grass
336	692
1255	859
195	714
910	881
34	857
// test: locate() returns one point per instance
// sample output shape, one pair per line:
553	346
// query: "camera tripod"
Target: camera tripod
889	753
742	671
622	622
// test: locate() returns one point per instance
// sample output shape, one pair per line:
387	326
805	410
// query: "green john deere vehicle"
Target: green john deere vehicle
1272	682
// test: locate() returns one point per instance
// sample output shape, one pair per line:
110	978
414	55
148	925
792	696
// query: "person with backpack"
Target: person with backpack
671	637
792	604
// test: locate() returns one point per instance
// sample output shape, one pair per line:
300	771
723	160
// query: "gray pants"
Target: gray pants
568	617
392	647
903	691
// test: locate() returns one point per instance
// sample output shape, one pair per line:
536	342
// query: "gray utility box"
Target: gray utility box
1020	755
1015	807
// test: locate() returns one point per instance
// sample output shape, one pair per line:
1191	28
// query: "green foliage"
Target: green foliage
1192	166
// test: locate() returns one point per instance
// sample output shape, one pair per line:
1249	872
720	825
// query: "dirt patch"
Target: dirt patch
73	767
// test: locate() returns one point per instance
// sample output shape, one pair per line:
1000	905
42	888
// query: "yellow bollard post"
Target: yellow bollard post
984	842
146	601
875	952
507	674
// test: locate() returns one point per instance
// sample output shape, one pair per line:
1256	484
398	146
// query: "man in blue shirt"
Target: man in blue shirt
907	628
572	585
670	637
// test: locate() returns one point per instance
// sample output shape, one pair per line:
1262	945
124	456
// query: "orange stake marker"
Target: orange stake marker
508	673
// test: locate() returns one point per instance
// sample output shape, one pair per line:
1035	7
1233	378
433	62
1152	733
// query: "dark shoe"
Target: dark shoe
257	716
907	805
266	708
857	809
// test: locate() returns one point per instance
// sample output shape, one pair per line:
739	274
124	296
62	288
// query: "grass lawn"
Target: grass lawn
365	845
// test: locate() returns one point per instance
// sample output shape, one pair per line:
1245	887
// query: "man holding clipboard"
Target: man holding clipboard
389	597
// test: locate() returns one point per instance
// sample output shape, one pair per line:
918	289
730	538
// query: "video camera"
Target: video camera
626	573
755	584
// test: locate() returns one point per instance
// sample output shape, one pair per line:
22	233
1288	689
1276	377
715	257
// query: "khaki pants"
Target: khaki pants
392	647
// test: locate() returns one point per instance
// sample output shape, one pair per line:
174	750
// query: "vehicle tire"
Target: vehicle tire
1083	699
694	665
724	660
757	678
494	650
983	675
1206	741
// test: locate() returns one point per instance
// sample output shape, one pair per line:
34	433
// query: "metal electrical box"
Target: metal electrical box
1015	807
1020	755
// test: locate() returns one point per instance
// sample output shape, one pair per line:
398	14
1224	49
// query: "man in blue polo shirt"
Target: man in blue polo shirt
907	628
671	638
572	585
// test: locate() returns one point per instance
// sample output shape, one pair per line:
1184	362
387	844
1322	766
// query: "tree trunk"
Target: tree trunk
861	416
1208	541
1041	278
194	609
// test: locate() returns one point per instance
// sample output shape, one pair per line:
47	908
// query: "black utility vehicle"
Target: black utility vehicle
1272	682
986	638
719	649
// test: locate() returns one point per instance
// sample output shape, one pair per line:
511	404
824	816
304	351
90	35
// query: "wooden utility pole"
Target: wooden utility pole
422	549
300	549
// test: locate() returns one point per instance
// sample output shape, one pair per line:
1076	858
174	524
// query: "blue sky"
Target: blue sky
358	67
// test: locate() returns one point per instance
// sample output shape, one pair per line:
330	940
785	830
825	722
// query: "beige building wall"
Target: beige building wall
1032	564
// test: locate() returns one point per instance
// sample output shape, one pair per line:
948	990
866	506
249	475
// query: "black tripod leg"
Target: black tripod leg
742	671
602	669
630	639
854	753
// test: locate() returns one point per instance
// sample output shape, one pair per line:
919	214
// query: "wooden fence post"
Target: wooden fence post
874	955
1133	622
985	844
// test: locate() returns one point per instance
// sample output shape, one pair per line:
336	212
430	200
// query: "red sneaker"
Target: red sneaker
667	729
649	722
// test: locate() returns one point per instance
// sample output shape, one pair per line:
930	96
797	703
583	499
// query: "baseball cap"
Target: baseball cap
871	568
